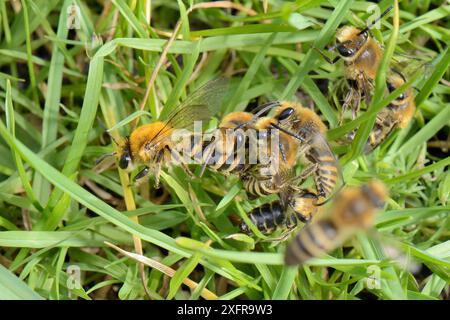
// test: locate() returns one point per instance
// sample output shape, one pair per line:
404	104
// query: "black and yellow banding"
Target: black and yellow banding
327	175
352	210
266	217
313	240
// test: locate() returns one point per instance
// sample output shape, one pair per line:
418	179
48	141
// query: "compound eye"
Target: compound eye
345	52
285	114
124	160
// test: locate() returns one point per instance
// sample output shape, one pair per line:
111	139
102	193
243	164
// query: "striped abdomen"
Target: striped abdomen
266	218
227	153
326	175
312	241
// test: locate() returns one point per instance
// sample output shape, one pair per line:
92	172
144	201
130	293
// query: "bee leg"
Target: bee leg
158	160
348	101
303	148
187	170
303	176
157	174
180	160
144	172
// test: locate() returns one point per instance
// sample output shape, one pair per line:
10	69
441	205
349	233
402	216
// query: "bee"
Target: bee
362	56
248	148
308	128
396	115
294	206
153	145
352	210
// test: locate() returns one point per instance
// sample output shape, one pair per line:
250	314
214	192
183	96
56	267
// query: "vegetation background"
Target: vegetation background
62	84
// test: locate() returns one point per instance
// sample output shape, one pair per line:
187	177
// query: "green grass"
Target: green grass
59	92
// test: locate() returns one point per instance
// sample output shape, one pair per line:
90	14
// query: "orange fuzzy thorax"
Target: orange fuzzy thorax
146	134
347	33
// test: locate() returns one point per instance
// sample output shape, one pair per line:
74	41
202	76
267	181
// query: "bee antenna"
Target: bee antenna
103	157
288	132
100	122
376	20
112	138
260	110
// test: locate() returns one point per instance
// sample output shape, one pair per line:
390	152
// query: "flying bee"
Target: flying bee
362	56
352	210
153	144
396	115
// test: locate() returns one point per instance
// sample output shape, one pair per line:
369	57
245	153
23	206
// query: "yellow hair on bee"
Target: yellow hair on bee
145	134
347	33
408	106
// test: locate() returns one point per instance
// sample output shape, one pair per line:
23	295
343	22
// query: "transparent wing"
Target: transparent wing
207	100
201	105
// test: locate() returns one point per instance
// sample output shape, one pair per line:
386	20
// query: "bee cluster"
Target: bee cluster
297	135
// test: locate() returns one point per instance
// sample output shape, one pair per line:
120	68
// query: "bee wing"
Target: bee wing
409	66
201	105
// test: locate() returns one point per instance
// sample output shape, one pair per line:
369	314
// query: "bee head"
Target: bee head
125	161
349	40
